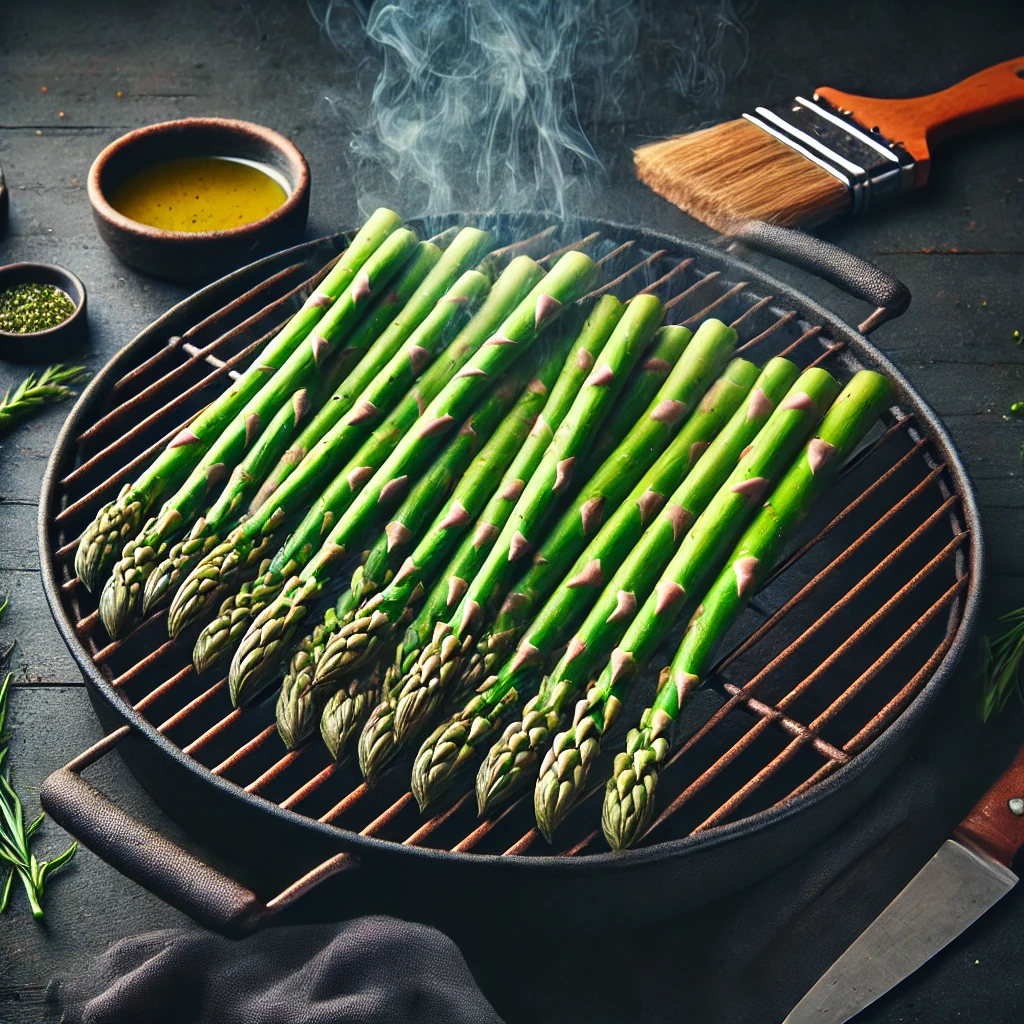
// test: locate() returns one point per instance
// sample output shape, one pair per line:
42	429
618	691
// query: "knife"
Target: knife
970	873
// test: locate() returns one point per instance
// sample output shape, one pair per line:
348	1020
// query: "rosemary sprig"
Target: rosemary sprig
32	393
15	835
1000	665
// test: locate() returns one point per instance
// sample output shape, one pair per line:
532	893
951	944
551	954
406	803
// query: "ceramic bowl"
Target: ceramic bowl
55	342
185	256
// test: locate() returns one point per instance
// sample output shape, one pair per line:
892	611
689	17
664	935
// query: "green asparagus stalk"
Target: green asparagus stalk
630	794
551	481
565	768
641	387
303	695
121	599
602	494
391	361
341	653
609	617
521	532
120	519
245	548
428	276
512	760
500	502
270	635
377	743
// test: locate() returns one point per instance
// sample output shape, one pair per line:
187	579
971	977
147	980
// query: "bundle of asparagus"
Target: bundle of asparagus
539	499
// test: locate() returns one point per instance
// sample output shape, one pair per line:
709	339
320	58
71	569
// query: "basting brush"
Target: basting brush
806	161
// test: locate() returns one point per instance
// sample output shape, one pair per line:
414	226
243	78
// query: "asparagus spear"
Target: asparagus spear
702	360
427	557
245	547
631	583
302	696
121	599
642	385
206	533
629	795
513	758
441	662
347	709
377	742
271	633
429	275
566	765
452	521
293	712
120	519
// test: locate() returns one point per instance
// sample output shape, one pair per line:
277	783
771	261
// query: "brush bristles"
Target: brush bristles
735	171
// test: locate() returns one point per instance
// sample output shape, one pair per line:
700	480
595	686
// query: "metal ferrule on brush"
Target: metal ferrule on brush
871	167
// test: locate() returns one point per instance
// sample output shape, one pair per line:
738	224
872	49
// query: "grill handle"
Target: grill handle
852	274
148	858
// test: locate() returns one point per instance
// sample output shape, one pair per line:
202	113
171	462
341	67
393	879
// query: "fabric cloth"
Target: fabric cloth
372	970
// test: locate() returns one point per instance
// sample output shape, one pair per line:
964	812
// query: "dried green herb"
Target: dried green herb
32	394
27	308
16	836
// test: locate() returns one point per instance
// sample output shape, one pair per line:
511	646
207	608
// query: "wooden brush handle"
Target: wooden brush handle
990	97
993	826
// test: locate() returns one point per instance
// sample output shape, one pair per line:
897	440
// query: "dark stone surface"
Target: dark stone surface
959	246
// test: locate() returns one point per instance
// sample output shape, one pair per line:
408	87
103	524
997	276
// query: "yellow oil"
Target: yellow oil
206	193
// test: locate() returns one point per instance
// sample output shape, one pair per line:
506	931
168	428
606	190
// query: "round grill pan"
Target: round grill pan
822	688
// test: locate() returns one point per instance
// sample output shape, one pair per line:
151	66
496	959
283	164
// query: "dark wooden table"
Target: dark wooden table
75	76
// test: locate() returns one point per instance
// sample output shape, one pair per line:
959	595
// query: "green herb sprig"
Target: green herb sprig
32	394
1000	665
15	835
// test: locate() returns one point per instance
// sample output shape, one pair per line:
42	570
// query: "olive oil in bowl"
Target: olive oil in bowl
207	193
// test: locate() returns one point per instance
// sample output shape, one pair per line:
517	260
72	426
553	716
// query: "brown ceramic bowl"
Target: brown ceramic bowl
55	342
191	256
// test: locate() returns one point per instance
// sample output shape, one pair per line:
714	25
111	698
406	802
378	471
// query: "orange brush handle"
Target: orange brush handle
991	96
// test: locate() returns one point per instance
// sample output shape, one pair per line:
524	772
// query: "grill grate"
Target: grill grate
844	635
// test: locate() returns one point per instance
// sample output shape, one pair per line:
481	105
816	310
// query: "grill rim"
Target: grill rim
901	728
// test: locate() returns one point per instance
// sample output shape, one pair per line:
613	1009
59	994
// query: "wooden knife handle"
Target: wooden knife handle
990	97
992	827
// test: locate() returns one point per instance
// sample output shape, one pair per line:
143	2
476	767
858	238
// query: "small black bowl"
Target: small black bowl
55	342
192	256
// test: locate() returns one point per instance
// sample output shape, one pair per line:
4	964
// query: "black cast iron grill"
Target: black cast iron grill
846	634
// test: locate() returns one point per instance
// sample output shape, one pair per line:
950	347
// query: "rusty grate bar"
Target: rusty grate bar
809	733
196	702
116	414
161	354
751	311
580	245
805	684
680	268
768	331
605	288
712	306
695	287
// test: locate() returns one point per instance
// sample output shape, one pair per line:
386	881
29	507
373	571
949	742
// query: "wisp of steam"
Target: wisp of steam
492	105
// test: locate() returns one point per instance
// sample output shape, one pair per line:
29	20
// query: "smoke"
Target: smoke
493	104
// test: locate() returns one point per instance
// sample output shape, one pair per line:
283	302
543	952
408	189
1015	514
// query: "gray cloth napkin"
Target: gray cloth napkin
372	970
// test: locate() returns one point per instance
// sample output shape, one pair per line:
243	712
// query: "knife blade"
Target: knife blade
968	875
